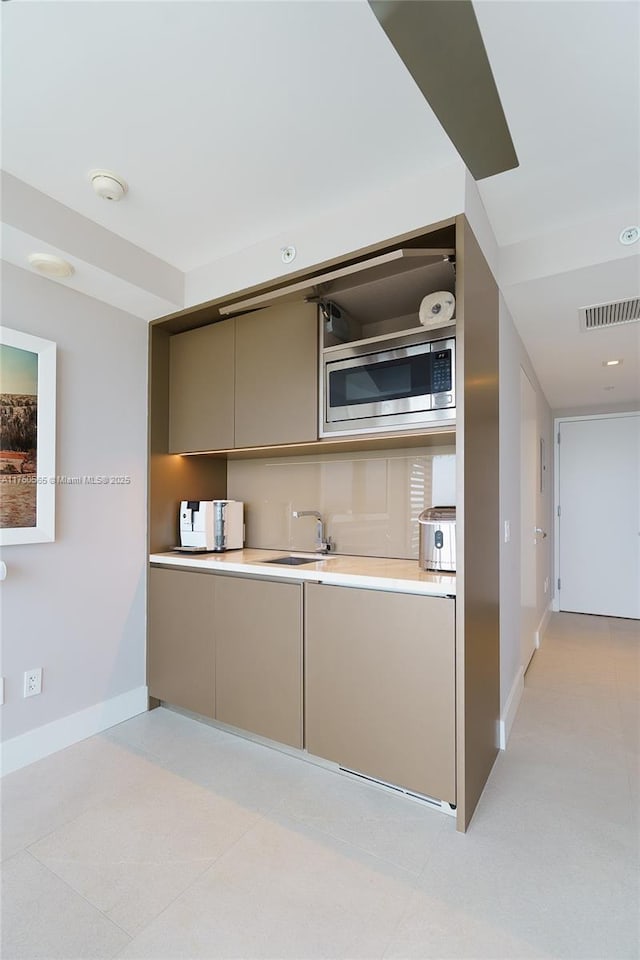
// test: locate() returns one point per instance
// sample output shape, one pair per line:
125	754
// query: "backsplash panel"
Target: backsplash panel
369	502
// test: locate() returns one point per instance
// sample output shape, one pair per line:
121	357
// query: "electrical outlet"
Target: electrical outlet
33	682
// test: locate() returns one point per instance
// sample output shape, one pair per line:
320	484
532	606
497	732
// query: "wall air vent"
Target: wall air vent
609	314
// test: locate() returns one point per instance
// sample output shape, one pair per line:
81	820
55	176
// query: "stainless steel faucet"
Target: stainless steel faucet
322	545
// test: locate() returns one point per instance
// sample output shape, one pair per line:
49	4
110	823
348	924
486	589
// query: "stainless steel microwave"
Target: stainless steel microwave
389	383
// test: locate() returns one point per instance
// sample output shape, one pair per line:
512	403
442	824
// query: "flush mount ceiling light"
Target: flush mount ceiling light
50	266
629	235
107	184
611	363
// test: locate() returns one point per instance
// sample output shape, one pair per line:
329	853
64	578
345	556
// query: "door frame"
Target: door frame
531	479
555	604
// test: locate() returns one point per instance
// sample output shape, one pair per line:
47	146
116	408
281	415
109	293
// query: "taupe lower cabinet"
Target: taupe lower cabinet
229	648
259	657
378	669
251	381
380	685
181	655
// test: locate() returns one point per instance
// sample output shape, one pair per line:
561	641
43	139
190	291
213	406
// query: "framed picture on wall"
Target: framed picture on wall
27	438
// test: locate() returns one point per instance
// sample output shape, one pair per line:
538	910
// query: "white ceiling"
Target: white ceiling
233	121
568	72
226	118
568	360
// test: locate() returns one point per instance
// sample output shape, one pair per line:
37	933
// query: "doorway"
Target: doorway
598	526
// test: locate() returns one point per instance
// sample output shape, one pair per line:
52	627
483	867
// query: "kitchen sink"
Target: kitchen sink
292	561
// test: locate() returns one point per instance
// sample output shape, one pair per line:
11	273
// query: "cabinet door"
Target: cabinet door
380	685
277	375
201	388
259	657
180	661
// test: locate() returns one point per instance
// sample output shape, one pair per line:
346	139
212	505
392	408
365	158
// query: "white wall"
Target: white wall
77	607
404	206
595	409
476	214
513	356
107	266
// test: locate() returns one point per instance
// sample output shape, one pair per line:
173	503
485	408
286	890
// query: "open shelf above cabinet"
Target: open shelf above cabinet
329	285
388	305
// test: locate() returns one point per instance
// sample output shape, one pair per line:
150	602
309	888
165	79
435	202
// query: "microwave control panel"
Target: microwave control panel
440	371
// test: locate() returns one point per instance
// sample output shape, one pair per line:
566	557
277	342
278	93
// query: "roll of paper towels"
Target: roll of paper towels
437	309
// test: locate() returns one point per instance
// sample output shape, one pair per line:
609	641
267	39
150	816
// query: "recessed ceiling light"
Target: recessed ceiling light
629	235
107	184
50	265
611	363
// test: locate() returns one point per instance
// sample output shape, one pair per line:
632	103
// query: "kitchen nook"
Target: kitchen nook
323	515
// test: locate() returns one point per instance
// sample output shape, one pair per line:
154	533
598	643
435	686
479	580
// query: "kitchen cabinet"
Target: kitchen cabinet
201	389
229	648
258	627
380	685
477	626
245	382
181	655
276	375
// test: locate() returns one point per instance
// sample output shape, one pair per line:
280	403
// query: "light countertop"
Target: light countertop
373	573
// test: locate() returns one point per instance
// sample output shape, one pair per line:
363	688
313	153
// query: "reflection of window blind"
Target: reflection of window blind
419	496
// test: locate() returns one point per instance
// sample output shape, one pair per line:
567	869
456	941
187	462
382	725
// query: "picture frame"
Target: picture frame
27	438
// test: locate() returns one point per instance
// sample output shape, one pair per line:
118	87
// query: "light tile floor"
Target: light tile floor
167	838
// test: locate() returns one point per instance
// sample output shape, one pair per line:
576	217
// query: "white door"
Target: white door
599	523
528	503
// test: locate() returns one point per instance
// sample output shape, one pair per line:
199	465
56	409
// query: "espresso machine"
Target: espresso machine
211	526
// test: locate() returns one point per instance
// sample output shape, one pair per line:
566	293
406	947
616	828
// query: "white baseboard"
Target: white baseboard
510	709
515	694
542	626
28	747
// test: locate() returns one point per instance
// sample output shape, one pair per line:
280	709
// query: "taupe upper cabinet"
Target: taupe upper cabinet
201	389
277	375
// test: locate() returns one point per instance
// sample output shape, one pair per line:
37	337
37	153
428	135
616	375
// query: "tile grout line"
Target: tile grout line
80	895
195	880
